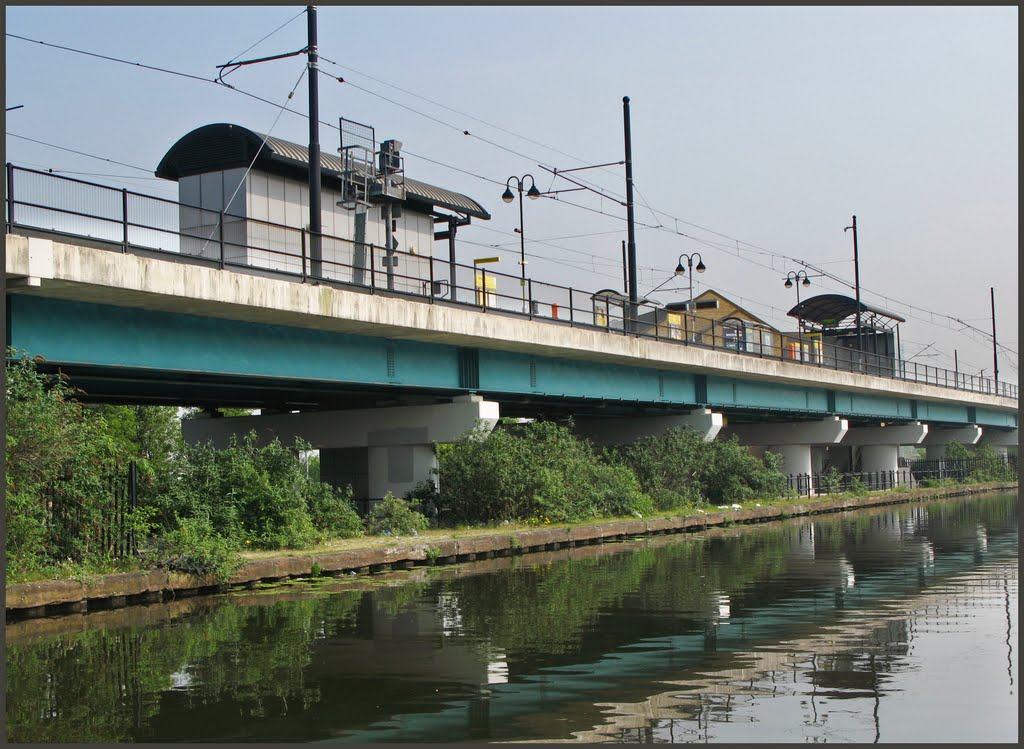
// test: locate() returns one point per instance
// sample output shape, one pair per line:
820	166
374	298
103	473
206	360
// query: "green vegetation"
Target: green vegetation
395	517
987	464
538	471
679	469
200	506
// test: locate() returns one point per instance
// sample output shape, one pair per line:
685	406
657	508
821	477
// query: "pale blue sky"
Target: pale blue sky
770	126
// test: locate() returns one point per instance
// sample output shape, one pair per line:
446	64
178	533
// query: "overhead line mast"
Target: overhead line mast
315	257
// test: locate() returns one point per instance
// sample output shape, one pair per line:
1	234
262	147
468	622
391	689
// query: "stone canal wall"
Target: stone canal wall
51	597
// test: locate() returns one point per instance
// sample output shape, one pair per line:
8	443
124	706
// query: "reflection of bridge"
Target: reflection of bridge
760	672
147	323
787	626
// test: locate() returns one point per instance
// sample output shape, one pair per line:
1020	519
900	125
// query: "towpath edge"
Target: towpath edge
54	597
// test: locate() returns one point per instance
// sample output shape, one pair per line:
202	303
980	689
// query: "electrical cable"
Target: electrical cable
753	247
80	153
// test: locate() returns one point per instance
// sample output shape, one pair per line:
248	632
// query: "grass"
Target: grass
429	538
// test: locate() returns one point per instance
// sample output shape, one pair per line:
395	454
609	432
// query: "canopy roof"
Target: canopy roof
223	146
837	311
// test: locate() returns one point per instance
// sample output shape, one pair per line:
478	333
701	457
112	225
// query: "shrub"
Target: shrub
394	517
59	459
195	547
678	468
331	510
523	472
251	493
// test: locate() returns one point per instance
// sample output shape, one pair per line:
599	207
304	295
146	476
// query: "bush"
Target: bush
532	471
678	469
195	547
331	510
59	459
394	517
255	494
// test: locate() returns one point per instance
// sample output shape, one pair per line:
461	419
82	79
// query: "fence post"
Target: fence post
220	236
373	269
529	294
10	196
570	308
430	260
302	242
133	503
124	220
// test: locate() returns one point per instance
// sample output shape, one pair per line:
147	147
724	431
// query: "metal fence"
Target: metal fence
132	222
101	523
909	474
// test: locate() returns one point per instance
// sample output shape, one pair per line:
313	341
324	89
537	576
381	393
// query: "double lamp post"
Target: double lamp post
533	193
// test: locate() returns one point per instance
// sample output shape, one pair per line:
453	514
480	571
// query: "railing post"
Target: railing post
124	220
430	261
529	294
220	236
571	313
10	196
373	269
302	246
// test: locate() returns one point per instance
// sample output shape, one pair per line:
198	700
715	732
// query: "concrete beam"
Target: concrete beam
374	450
370	427
622	431
828	431
937	439
901	434
791	440
968	435
999	438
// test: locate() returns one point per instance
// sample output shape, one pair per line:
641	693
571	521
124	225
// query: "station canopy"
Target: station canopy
839	312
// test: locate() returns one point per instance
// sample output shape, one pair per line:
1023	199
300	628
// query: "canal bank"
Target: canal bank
375	555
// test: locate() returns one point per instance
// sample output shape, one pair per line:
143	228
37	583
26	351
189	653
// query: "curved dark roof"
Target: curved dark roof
830	310
224	146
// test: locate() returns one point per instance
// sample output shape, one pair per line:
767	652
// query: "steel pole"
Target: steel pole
522	247
691	305
995	356
630	232
856	282
315	256
799	321
451	260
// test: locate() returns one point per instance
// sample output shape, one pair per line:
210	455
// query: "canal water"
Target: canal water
881	625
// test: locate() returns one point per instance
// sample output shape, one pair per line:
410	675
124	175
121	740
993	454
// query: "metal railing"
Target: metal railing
132	222
102	522
909	474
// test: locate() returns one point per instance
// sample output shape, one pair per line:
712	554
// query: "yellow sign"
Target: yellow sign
486	289
480	260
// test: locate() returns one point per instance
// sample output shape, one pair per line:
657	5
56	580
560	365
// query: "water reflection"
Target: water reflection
841	628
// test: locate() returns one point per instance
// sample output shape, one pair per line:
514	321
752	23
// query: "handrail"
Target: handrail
545	302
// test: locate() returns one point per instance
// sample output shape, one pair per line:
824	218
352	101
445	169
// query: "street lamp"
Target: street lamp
533	193
681	270
790	278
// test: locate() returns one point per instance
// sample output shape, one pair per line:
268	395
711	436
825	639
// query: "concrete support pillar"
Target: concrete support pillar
879	458
792	439
937	438
879	448
623	430
373	450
